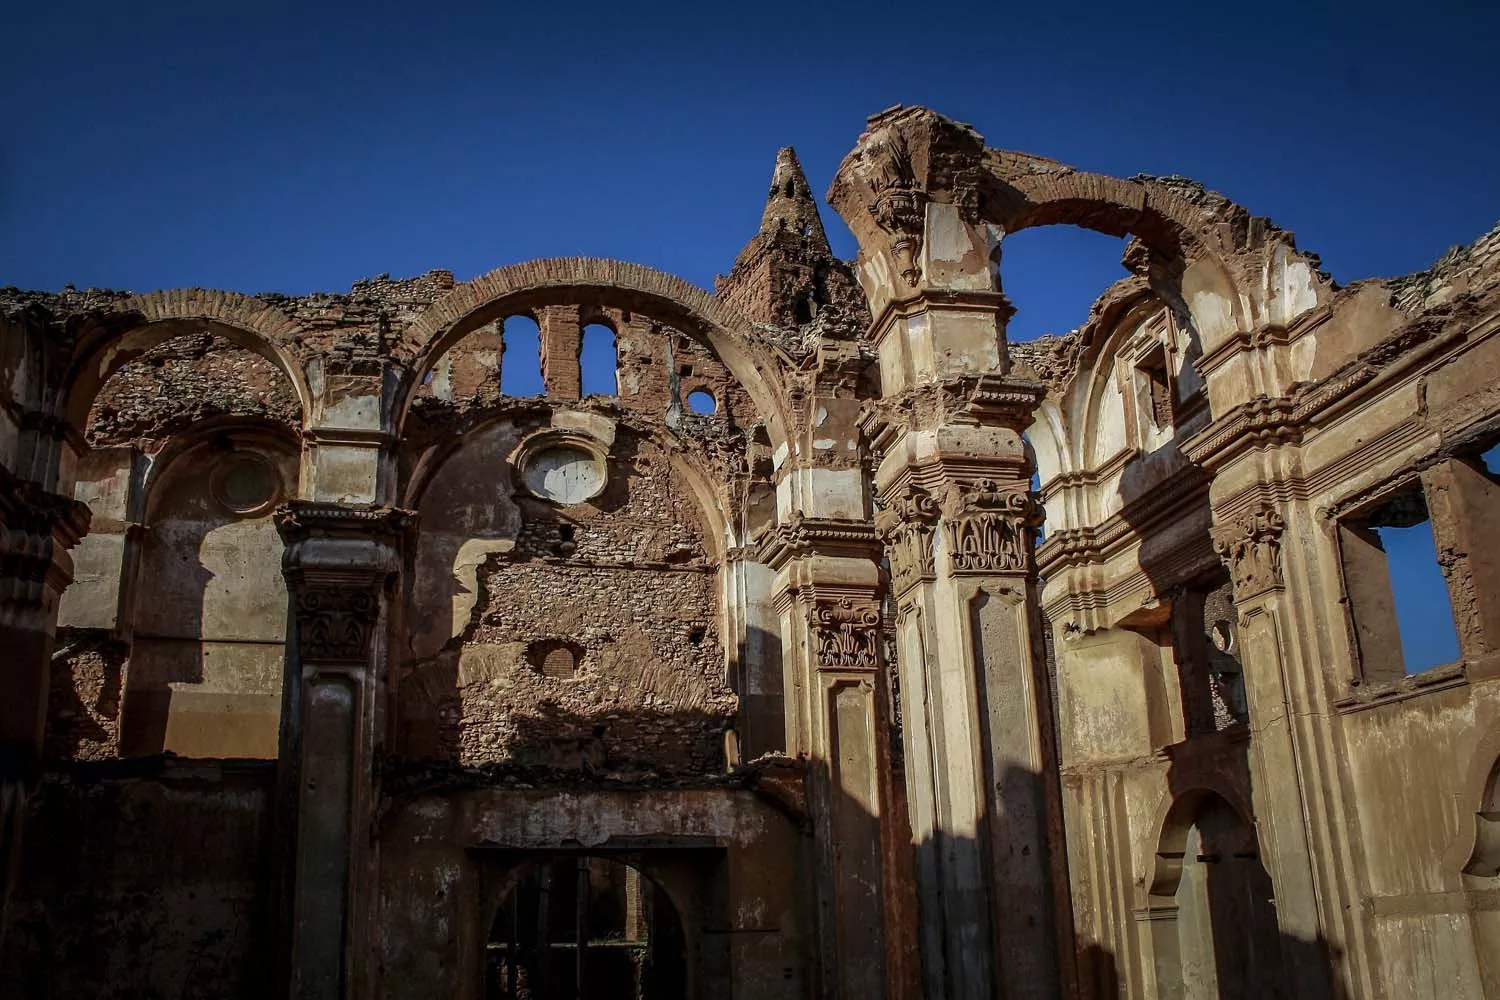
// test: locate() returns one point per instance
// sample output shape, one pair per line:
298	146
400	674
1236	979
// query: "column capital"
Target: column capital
1250	545
37	528
799	537
338	560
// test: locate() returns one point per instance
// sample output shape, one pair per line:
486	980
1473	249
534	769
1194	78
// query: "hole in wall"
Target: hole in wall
244	482
555	658
598	361
702	402
521	357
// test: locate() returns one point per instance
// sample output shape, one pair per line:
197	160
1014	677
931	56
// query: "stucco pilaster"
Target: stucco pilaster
827	599
341	565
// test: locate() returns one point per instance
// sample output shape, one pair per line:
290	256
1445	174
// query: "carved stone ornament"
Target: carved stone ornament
846	633
1250	546
36	528
336	624
899	205
988	528
906	525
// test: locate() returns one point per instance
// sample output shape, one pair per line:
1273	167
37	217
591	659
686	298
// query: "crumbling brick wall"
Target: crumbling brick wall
176	385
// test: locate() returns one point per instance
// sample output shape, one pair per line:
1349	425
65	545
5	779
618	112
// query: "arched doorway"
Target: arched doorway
1214	929
579	927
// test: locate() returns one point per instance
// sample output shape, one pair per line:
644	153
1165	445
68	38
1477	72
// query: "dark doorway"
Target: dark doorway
582	927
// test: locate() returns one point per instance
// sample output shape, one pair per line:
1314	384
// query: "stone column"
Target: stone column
342	562
827	598
953	477
958	522
37	528
1292	805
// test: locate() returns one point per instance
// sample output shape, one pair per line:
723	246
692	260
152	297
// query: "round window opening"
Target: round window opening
564	474
245	482
702	402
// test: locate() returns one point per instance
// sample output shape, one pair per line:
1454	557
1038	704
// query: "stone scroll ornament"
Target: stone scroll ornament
989	529
906	526
1250	544
899	205
336	624
847	633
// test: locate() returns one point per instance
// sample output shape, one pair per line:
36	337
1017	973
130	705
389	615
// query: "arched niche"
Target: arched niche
1211	905
143	322
208	599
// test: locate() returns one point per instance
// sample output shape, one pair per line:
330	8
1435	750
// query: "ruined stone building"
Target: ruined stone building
337	665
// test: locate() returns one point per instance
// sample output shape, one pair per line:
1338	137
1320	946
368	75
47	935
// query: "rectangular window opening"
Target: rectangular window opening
1156	386
1399	601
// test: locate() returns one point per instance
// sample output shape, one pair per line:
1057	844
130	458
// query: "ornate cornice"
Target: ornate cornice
803	536
297	520
988	400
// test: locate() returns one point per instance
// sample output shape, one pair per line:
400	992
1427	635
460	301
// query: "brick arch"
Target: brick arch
504	290
1207	243
1028	191
136	324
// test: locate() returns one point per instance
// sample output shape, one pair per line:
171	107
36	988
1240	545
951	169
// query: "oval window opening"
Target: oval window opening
702	401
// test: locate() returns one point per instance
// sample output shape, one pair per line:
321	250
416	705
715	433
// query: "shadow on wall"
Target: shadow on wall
1209	929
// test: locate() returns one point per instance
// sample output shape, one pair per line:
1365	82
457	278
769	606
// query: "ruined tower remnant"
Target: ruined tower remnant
334	670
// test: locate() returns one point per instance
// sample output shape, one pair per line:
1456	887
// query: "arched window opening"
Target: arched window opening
521	357
586	927
598	361
1054	274
702	402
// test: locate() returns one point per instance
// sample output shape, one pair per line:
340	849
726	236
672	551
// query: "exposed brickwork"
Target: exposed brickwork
175	386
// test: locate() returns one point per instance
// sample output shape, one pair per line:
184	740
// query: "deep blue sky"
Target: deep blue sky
274	146
291	147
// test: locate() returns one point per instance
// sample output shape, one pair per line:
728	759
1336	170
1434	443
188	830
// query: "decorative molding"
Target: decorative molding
989	528
37	527
297	520
802	536
1250	545
846	633
899	205
906	526
335	624
989	400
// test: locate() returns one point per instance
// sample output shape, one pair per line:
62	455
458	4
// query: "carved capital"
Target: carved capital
989	528
906	526
339	560
1250	545
846	633
336	624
